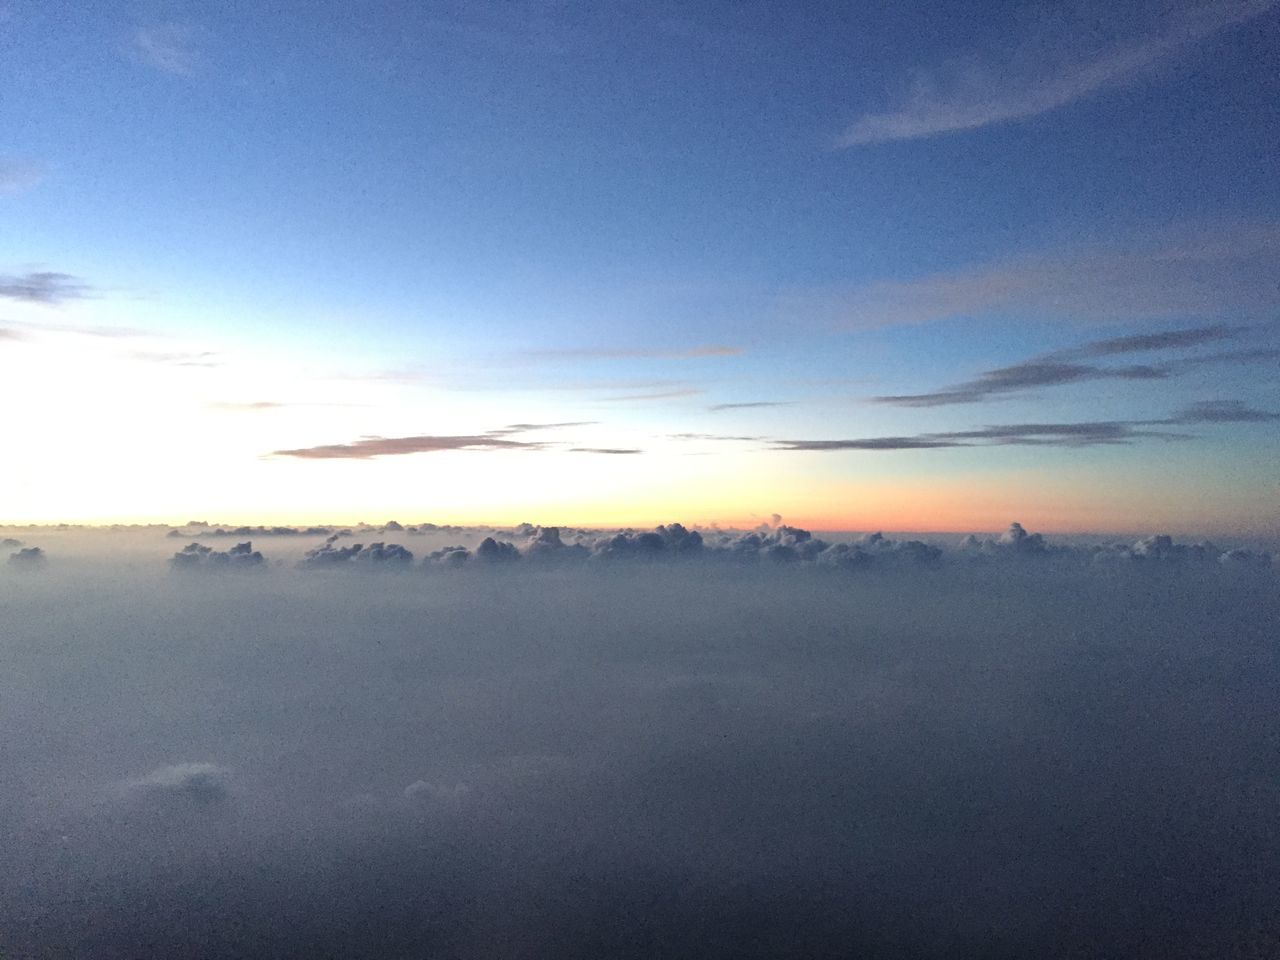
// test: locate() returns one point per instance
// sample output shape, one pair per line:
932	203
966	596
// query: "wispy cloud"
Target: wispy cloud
171	47
18	176
750	405
527	427
370	447
42	286
1047	71
1211	271
1085	434
1053	370
1223	411
201	358
1146	342
7	333
659	395
625	353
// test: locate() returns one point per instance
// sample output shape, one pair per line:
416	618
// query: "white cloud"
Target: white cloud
1034	81
168	46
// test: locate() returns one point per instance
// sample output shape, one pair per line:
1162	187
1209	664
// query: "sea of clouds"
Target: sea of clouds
418	741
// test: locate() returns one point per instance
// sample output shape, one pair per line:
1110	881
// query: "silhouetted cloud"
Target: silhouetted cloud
382	555
1046	72
1147	342
1084	434
1222	411
42	286
750	405
197	556
28	557
399	446
1020	376
1062	367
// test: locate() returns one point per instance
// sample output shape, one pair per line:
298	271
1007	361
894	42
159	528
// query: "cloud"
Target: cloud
527	427
776	746
1222	411
1018	377
195	358
7	333
660	395
29	557
1062	367
1147	342
170	47
196	556
605	450
382	555
18	176
1085	434
1206	270
1047	73
750	405
399	446
42	286
689	353
203	783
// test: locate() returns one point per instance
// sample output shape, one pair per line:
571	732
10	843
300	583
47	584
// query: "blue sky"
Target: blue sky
440	218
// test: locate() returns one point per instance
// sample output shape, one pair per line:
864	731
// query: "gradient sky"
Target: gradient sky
920	266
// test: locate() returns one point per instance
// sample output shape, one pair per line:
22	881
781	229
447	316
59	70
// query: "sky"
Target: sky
920	266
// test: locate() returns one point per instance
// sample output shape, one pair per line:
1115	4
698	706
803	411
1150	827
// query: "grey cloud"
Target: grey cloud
772	747
197	556
399	446
605	450
381	555
1146	342
1223	411
1061	367
1084	434
751	405
29	557
42	286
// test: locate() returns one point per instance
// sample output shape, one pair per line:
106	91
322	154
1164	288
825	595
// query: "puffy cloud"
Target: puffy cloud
10	542
496	551
1014	541
28	557
197	556
329	554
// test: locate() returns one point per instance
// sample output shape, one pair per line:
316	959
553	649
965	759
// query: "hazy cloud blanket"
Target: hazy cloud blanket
964	757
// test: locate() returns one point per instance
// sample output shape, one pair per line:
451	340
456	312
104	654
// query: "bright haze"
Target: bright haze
563	481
